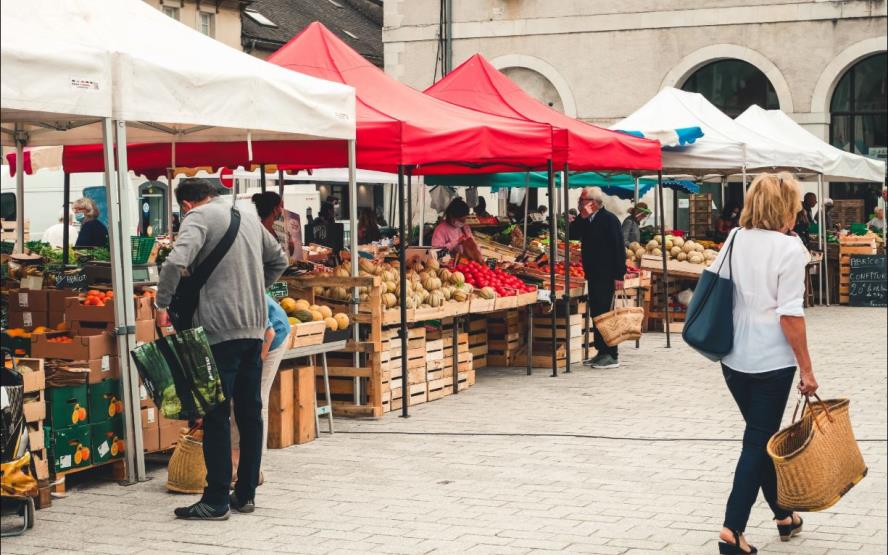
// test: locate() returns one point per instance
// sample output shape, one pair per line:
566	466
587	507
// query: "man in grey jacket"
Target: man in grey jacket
232	311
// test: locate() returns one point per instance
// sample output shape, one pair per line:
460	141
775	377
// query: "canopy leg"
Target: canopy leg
66	234
281	179
353	246
402	267
553	256
665	269
526	207
409	209
566	202
19	190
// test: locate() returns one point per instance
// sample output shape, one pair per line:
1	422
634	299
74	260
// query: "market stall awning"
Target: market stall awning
479	86
838	165
172	83
725	147
398	125
618	185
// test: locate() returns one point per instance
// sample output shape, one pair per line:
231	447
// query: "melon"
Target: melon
389	300
457	278
487	293
289	305
682	256
459	295
316	315
674	251
432	263
303	316
341	320
436	299
302	304
293	321
325	311
331	323
634	246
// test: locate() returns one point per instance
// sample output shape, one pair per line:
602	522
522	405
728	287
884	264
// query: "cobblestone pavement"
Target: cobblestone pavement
520	465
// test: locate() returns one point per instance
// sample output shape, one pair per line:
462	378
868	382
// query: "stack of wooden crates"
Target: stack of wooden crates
700	216
34	410
848	245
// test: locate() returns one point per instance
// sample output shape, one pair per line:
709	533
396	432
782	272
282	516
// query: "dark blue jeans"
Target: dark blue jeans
240	368
761	399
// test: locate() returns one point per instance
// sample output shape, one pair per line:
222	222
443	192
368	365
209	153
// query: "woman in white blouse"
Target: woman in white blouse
768	269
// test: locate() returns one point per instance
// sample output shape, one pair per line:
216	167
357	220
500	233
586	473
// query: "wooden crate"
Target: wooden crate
850	245
700	215
307	334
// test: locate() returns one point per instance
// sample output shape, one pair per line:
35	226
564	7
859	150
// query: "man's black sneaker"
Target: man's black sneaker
593	360
607	361
202	511
247	506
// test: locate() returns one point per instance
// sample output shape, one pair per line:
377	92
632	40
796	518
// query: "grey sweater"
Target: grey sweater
232	303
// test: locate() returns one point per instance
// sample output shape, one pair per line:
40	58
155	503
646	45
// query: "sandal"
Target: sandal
725	548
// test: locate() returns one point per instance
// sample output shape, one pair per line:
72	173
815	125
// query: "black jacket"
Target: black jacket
604	255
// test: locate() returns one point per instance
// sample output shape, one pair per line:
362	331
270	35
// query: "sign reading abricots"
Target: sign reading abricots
71	279
868	283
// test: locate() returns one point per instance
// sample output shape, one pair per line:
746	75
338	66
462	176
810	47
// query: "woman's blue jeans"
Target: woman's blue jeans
762	400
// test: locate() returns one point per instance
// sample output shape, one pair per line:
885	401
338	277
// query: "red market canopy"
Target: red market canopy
398	125
477	85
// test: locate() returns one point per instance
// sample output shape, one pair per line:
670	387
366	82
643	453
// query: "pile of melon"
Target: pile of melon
301	311
676	248
428	284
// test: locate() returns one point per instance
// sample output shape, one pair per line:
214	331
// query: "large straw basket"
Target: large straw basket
620	324
816	458
187	472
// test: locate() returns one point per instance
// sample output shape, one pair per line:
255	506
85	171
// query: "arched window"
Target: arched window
733	86
859	122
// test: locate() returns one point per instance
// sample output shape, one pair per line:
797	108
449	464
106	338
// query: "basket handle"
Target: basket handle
808	402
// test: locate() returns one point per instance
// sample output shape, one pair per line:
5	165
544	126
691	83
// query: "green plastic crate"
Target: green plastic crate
141	247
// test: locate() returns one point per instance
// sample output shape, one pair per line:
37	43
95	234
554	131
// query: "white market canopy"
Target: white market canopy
75	59
838	165
725	147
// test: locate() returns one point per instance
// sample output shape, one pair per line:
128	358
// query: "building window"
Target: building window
171	11
206	23
733	86
859	121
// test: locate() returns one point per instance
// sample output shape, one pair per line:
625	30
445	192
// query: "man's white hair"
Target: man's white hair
594	194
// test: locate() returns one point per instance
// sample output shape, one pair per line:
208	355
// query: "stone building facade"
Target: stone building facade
599	60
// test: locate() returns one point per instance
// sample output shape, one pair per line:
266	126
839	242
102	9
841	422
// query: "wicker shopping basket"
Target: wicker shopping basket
816	457
187	471
620	324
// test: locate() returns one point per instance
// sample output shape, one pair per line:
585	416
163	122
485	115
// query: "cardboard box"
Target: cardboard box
150	437
33	374
107	440
146	331
54	319
145	400
149	417
169	433
105	368
35	300
86	313
105	401
56	298
27	319
82	348
71	448
34	409
89	328
68	406
36	437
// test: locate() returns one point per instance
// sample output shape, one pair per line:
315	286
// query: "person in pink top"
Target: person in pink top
453	234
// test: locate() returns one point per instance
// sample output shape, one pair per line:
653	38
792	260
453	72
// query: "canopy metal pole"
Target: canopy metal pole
637	190
553	257
566	202
353	246
66	221
724	184
674	194
409	209
402	267
262	177
665	269
422	204
281	177
526	207
118	195
821	231
825	247
19	189
169	197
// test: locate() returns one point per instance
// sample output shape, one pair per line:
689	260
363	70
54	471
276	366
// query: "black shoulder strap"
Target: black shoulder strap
203	271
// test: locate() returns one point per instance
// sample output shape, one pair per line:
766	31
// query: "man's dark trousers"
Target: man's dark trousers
601	296
240	368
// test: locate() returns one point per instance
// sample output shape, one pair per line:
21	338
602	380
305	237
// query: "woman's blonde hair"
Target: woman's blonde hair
772	202
88	204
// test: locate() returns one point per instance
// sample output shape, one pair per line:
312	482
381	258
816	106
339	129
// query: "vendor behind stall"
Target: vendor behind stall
324	230
481	208
877	223
454	235
631	229
93	233
368	229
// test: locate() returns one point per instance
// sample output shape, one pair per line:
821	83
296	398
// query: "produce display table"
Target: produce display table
311	351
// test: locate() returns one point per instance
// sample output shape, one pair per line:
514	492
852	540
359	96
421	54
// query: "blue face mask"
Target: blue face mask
79	216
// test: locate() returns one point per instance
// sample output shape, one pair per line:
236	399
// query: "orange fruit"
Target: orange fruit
78	458
112	409
114	449
83	414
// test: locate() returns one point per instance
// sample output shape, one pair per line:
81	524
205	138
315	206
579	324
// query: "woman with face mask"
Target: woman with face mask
93	233
454	235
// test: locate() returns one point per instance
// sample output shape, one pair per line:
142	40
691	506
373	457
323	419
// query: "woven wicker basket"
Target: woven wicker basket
187	472
817	458
620	324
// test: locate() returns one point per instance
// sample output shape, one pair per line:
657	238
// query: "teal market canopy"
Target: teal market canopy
618	185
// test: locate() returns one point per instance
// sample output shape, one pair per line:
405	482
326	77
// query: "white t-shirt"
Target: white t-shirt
54	235
769	282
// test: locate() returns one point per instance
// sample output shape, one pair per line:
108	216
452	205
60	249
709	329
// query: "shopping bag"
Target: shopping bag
180	374
709	326
620	324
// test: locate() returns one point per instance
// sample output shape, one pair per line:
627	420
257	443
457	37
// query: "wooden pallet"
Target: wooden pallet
112	470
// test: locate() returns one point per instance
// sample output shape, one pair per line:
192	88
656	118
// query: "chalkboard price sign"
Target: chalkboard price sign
868	281
278	290
71	279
